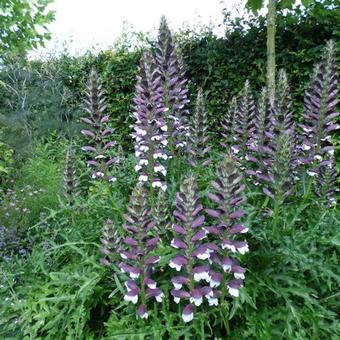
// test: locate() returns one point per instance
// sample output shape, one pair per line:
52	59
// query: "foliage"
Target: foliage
35	102
57	288
6	161
23	25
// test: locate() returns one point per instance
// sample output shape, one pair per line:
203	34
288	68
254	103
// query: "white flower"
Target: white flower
227	267
177	300
156	138
159	297
113	179
99	157
202	276
140	132
157	184
123	256
234	292
137	167
175	266
318	158
134	275
204	256
143	178
311	173
160	155
214	283
243	249
145	315
213	302
164	142
229	246
235	150
131	298
164	128
143	162
305	147
187	317
160	168
196	301
327	138
177	286
98	174
138	153
239	276
144	148
307	129
152	285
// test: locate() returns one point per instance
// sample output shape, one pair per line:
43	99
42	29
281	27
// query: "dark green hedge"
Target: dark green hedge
219	64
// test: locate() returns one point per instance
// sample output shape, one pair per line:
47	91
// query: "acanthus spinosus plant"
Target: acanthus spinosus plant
138	262
244	124
227	274
198	147
111	244
175	89
320	114
150	129
71	183
191	283
98	133
161	214
229	124
273	148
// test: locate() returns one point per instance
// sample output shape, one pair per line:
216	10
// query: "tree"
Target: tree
23	25
272	6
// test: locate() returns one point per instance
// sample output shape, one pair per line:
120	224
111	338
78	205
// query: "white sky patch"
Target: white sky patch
83	25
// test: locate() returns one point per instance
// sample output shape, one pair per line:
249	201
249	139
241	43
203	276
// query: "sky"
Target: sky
95	24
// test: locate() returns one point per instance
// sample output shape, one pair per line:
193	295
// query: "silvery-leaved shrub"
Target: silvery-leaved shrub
175	89
98	132
150	128
138	262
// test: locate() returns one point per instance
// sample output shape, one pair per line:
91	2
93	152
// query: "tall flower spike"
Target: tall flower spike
138	262
262	146
98	133
71	184
245	124
175	93
198	140
160	213
111	244
229	124
150	127
228	196
193	274
320	113
327	182
284	121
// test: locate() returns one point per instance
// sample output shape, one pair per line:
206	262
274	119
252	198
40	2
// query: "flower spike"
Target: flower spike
99	134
